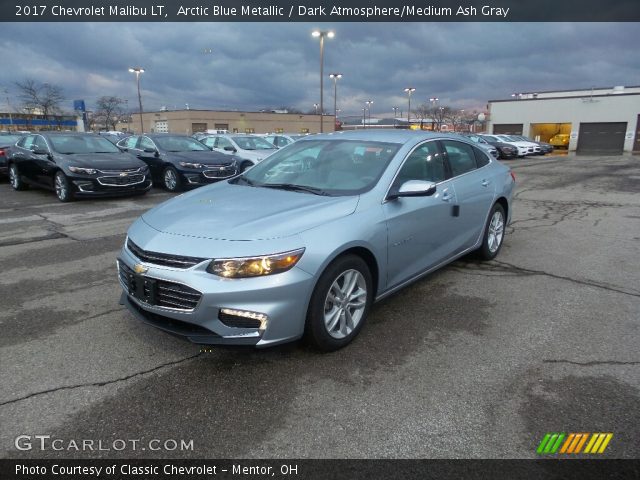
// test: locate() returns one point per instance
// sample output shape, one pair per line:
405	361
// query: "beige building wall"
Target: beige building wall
189	121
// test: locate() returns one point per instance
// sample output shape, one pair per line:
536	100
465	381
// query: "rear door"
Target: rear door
474	188
23	158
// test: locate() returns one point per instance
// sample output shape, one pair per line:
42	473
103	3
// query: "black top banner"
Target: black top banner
319	11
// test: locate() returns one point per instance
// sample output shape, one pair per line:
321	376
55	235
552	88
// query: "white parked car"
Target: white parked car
280	139
523	150
250	148
532	148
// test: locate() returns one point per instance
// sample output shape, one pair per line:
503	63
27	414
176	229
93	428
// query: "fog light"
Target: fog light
243	318
84	186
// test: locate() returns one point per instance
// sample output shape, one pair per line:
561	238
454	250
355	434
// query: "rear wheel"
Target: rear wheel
340	304
63	187
493	233
14	178
171	179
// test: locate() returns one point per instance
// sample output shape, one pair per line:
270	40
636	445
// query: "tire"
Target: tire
493	233
14	178
244	166
327	326
62	187
171	180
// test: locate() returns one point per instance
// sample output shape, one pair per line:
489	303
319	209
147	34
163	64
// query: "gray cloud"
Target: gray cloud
262	65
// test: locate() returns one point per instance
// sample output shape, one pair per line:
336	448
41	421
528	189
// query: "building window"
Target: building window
198	127
249	130
222	126
279	130
235	130
304	130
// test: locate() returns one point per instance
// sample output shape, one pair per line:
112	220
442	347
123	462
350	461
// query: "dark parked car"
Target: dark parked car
179	161
7	140
504	150
76	164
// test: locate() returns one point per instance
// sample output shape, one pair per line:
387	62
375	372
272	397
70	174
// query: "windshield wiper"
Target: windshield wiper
246	181
295	188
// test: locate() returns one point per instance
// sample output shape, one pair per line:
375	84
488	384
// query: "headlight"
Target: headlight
86	171
190	165
255	266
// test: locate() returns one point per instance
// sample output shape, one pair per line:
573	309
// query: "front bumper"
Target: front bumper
283	298
106	185
211	174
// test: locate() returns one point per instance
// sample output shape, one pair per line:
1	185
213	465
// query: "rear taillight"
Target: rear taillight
2	152
513	176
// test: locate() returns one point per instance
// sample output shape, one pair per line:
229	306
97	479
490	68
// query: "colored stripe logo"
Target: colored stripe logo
572	443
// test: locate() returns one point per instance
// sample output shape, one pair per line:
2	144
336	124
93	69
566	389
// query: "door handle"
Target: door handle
485	183
446	196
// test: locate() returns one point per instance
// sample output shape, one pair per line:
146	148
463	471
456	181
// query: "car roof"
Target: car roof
388	135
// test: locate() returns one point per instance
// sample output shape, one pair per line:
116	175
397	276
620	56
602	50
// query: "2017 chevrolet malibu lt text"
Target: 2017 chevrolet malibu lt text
306	241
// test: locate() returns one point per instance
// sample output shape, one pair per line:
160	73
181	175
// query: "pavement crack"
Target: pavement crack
498	267
592	363
101	384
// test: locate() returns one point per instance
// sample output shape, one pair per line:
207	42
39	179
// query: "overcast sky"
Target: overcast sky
268	65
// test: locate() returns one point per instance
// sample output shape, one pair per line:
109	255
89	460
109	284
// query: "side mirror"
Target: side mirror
230	149
38	151
413	188
150	150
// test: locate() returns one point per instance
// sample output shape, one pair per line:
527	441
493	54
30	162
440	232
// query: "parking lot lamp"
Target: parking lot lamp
322	34
315	105
335	77
409	91
369	103
138	71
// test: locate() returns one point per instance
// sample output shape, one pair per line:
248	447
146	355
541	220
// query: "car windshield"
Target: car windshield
491	139
253	143
179	144
329	167
70	144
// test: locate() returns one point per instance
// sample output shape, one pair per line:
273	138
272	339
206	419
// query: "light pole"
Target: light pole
409	91
6	92
126	107
395	116
364	118
138	71
322	34
433	101
369	103
440	118
335	77
315	105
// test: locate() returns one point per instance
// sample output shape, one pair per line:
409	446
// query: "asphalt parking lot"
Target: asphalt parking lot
477	360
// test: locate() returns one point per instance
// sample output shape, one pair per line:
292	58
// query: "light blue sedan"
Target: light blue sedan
305	242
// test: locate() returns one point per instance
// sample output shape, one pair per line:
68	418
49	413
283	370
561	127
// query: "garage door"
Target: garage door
598	138
507	129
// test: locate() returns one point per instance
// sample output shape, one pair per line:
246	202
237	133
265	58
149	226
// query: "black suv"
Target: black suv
76	164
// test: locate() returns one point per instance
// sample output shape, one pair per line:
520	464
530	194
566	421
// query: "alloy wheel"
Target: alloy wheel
345	304
14	179
62	190
170	179
496	231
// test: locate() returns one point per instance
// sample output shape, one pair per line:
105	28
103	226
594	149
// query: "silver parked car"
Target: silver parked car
306	241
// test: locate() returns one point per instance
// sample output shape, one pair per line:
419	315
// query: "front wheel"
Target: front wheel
493	233
14	178
171	180
63	187
340	304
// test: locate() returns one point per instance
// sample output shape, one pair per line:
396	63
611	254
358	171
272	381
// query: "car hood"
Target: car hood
206	157
237	212
103	160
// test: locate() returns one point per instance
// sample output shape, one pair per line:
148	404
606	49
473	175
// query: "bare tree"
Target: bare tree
109	110
438	115
421	112
40	97
455	118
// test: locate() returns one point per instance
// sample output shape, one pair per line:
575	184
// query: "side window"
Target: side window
209	141
28	141
131	142
482	158
40	144
424	163
146	143
460	156
223	143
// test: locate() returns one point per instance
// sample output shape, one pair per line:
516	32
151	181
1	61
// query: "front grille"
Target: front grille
164	259
172	325
219	172
167	294
120	181
238	321
119	171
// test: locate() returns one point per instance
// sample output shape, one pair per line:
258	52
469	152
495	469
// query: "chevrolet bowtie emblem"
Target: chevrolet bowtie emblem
123	174
138	268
